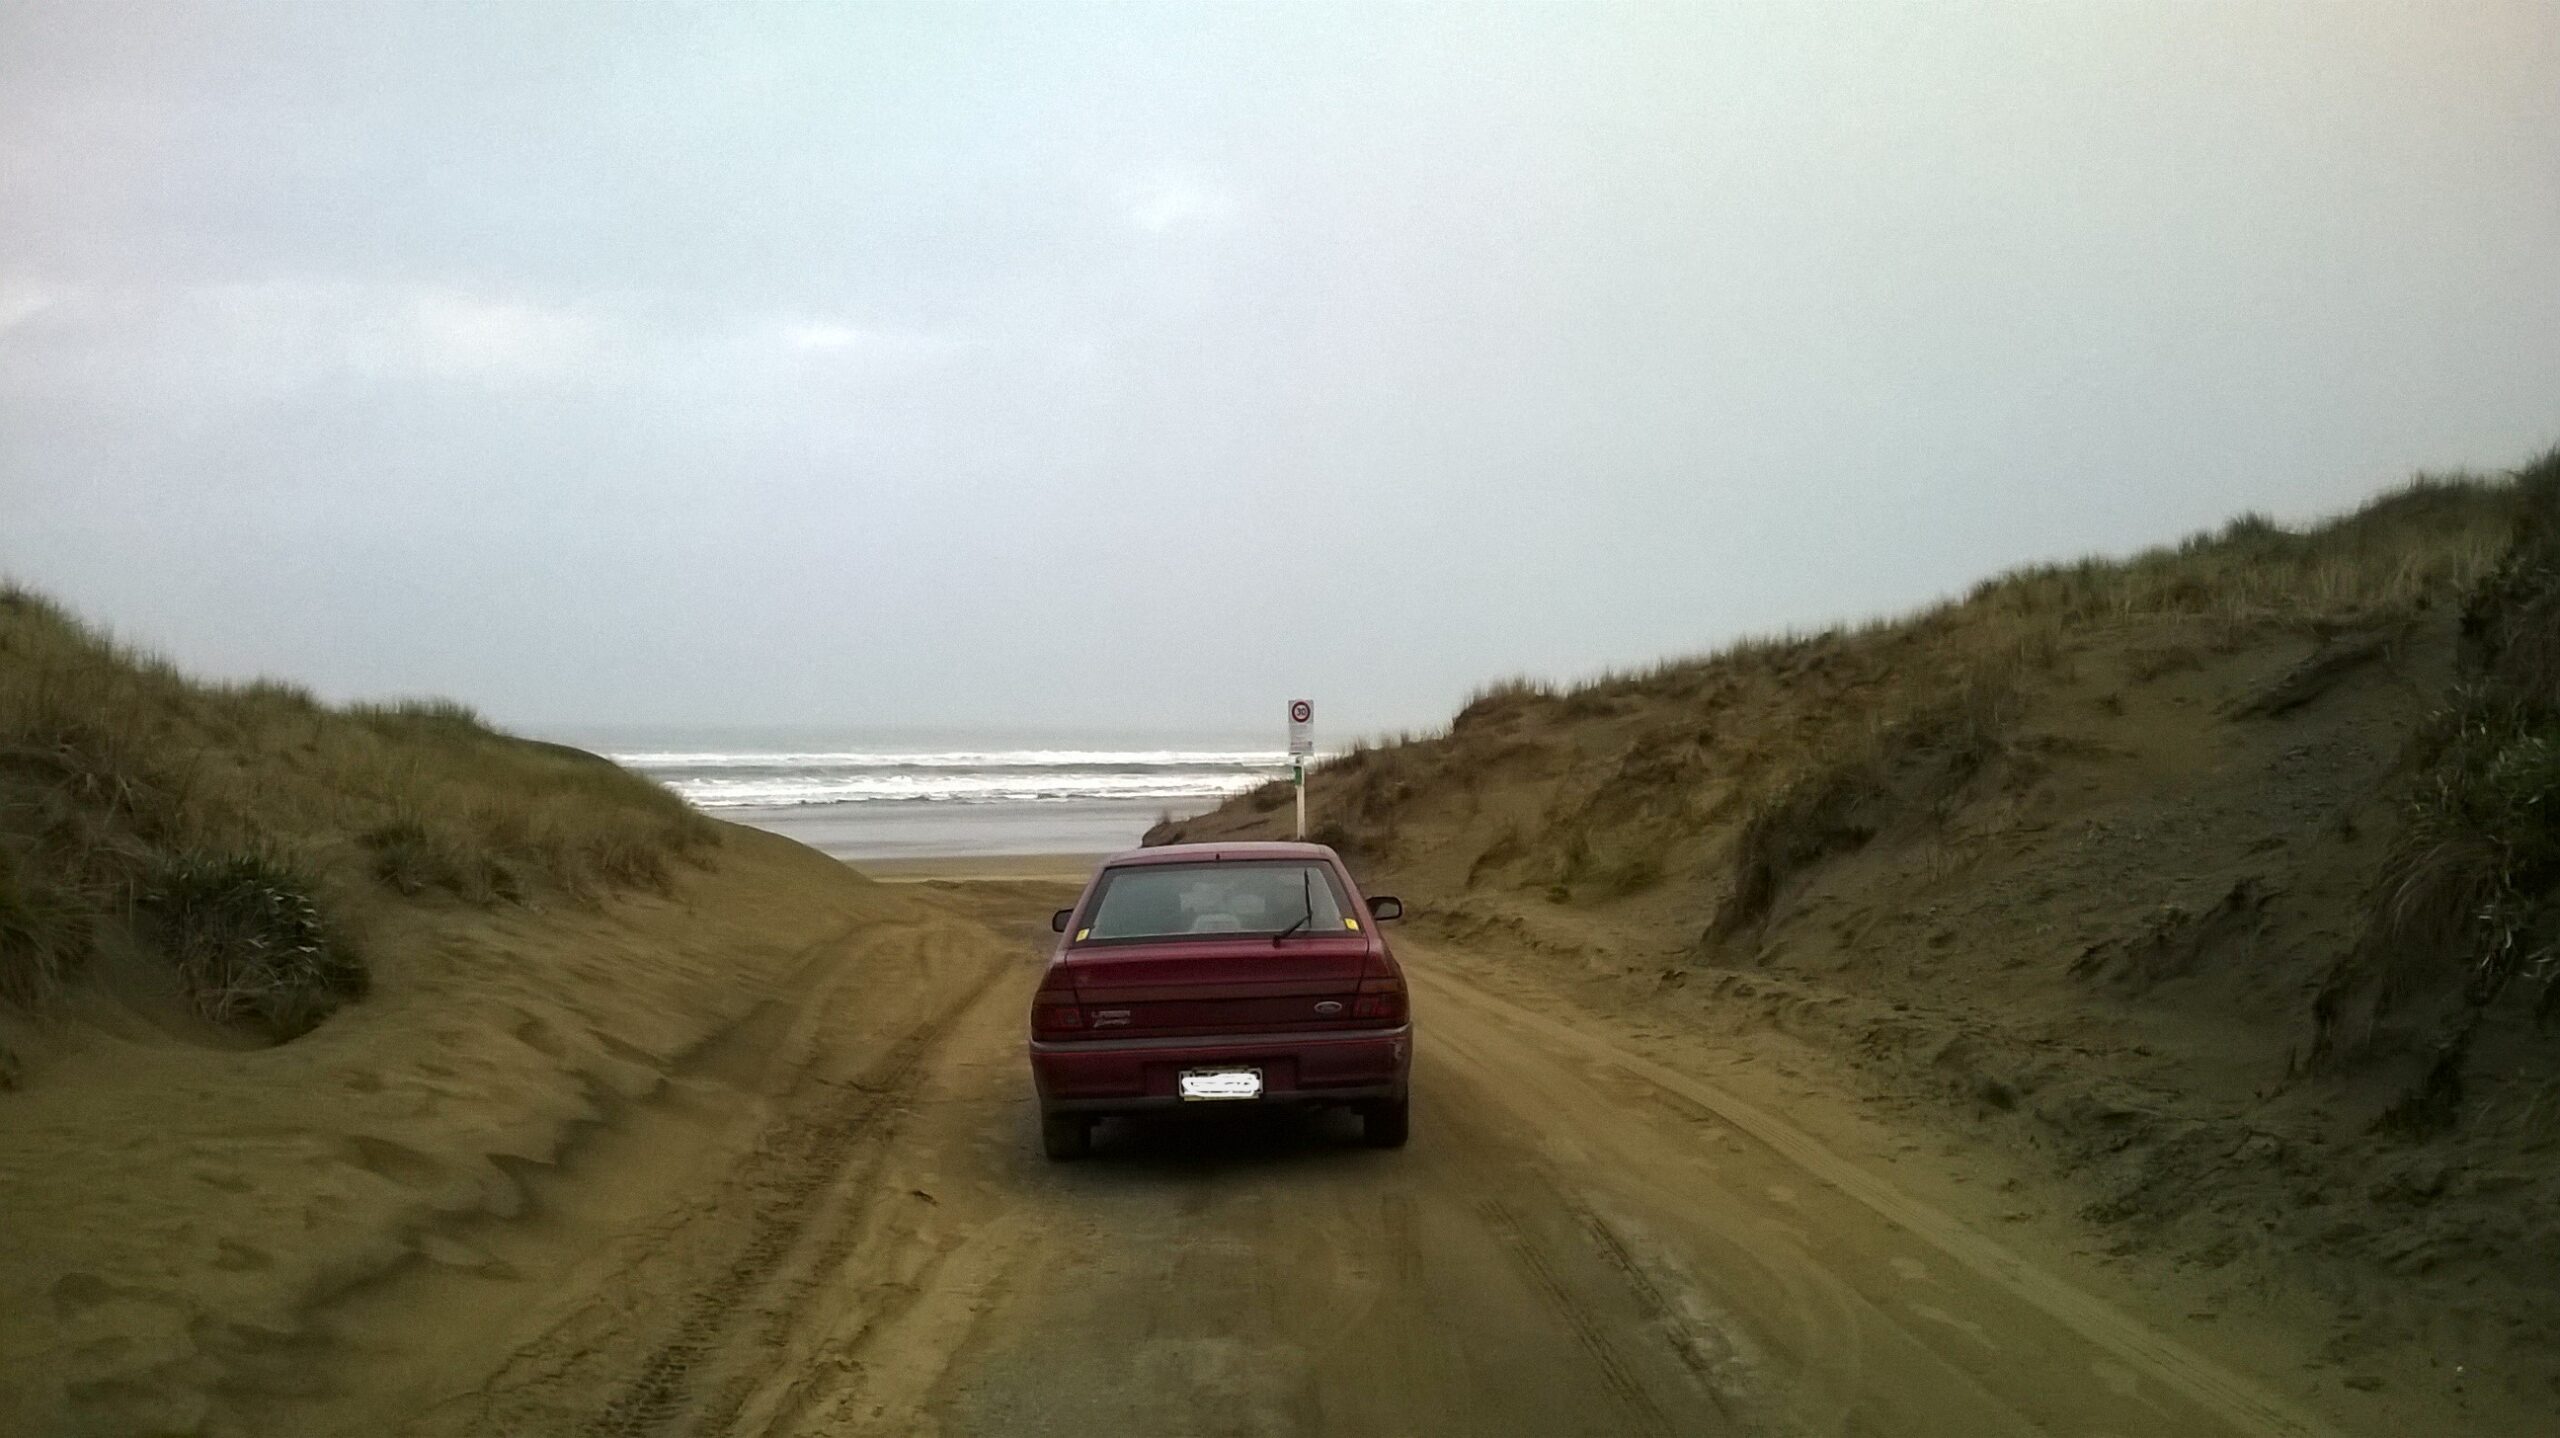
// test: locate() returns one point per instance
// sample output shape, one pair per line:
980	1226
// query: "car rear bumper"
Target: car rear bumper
1137	1075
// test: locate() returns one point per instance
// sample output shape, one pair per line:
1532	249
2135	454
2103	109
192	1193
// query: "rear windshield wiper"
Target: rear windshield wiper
1309	878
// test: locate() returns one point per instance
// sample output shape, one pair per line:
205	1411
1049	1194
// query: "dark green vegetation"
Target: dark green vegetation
2464	933
249	943
244	836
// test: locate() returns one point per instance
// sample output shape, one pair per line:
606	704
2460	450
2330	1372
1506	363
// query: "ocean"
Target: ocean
885	796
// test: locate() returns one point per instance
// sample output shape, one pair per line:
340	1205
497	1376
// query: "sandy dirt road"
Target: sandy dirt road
835	1220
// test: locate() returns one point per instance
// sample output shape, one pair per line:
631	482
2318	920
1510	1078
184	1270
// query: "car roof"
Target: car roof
1215	852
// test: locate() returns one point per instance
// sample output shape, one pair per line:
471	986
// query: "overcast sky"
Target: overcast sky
1130	366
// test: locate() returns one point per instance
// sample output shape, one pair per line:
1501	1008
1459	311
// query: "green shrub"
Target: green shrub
2483	843
2477	874
249	943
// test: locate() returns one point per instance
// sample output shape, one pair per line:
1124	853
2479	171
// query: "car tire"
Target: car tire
1385	1125
1065	1137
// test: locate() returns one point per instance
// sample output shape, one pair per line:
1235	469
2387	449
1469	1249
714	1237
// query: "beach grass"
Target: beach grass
237	830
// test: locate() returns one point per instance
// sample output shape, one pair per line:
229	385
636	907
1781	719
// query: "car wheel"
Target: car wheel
1385	1125
1065	1136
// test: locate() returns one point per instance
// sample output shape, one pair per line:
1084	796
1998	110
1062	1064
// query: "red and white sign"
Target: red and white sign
1302	728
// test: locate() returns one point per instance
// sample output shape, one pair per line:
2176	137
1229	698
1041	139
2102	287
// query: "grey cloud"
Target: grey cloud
1132	366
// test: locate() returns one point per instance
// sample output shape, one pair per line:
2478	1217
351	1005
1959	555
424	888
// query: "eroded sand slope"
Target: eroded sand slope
177	1207
2086	868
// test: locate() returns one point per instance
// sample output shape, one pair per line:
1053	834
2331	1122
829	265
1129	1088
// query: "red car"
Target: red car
1197	976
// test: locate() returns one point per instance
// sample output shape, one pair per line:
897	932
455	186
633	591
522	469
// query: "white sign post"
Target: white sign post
1302	742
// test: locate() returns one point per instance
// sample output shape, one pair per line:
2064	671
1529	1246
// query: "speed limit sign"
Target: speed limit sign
1302	728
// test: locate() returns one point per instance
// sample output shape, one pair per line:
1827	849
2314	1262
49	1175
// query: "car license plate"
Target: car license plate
1220	1083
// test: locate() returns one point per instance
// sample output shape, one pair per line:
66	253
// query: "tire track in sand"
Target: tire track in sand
2239	1402
1587	1331
799	1166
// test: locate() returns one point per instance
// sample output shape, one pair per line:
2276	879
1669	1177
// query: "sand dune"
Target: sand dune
2113	865
177	1207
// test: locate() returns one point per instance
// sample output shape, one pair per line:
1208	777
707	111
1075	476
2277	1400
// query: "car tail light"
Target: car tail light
1379	999
1054	1008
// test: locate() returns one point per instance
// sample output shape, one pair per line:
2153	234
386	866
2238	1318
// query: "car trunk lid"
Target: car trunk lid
1239	985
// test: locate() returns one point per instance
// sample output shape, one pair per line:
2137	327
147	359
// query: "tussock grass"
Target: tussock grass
1501	699
2468	901
249	942
125	786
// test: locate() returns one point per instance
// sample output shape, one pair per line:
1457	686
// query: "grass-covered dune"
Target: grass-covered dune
2225	877
296	998
1723	783
245	838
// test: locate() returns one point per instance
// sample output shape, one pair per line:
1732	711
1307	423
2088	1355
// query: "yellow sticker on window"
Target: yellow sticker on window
1351	924
1081	933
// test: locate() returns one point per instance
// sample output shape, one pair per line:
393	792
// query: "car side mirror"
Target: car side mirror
1384	907
1058	920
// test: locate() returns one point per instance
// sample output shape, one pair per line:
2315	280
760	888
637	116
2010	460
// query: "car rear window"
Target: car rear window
1162	901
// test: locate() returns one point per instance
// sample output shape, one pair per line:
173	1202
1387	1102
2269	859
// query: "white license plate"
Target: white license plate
1220	1083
